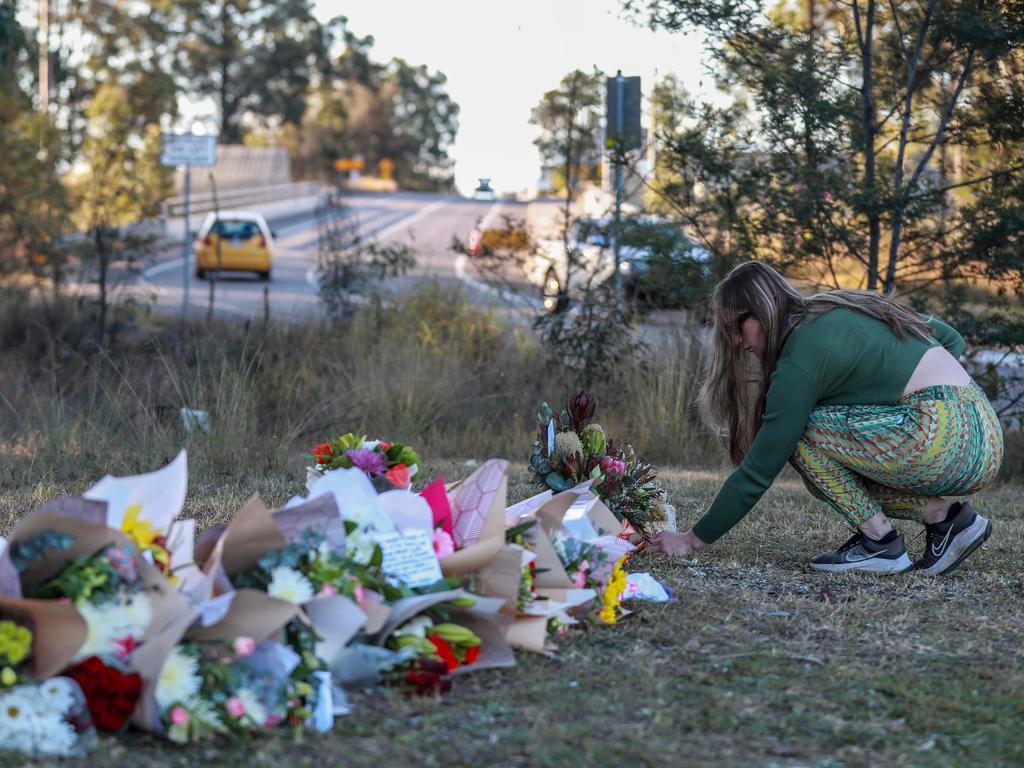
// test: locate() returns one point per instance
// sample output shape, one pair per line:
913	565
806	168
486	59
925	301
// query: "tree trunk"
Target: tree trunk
870	130
101	255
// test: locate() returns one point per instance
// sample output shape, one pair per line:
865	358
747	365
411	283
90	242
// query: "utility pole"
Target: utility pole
44	56
619	111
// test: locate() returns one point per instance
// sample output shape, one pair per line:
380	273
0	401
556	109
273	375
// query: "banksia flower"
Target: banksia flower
568	447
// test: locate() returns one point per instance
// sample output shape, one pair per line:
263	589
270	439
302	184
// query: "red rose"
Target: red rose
399	476
323	453
110	695
385	446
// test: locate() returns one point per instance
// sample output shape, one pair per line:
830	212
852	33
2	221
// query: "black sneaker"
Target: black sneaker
862	553
947	544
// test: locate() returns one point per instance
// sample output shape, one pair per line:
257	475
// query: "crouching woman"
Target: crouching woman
867	401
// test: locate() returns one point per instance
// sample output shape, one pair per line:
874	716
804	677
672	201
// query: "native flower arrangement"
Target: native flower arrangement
388	465
571	449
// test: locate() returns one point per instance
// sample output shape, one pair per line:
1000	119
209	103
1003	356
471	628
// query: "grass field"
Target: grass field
756	662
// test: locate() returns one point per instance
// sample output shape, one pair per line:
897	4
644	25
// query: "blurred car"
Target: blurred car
484	191
234	241
658	263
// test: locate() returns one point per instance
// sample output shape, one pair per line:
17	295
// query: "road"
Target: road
428	222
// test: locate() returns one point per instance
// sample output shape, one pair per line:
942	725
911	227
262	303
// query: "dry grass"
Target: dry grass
756	662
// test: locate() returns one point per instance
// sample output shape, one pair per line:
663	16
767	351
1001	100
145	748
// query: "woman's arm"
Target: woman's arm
947	336
791	398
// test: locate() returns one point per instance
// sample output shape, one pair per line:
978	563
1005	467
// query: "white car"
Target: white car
593	256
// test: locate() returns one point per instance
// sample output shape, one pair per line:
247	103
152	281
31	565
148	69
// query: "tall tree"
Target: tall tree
255	58
863	139
122	182
569	118
33	203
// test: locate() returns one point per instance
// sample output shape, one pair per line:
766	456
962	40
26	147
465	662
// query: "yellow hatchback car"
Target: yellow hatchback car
234	241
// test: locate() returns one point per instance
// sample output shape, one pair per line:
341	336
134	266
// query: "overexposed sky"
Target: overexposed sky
500	58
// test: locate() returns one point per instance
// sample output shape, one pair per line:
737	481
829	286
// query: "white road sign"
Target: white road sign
188	149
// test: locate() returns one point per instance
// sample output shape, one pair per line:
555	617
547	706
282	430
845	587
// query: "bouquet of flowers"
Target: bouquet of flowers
580	559
109	592
388	465
612	595
207	688
46	719
571	449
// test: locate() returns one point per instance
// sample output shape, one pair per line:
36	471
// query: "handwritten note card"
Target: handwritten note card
410	557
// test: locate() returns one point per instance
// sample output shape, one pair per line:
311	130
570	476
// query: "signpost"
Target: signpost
187	149
622	133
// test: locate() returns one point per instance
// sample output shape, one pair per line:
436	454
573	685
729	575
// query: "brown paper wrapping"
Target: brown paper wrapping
149	660
249	535
500	578
492	538
252	614
58	631
337	620
530	633
491	628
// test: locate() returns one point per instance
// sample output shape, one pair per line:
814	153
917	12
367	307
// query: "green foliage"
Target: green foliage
254	58
569	118
839	145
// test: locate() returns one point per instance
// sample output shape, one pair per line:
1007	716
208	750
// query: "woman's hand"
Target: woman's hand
678	544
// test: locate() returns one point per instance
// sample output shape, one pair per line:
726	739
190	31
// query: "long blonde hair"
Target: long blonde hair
732	395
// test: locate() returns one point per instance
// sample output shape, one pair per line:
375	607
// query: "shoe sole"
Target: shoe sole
968	540
874	565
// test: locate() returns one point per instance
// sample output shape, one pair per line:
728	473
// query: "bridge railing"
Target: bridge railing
235	198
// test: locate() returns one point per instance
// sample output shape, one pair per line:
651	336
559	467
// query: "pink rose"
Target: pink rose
327	590
235	707
179	716
244	646
443	544
580	579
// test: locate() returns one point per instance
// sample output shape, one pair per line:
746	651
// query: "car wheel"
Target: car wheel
551	294
200	274
265	276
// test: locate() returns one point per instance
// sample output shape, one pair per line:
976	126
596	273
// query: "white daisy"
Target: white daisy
289	585
179	680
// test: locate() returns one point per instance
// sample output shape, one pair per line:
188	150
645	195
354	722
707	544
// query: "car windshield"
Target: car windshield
231	229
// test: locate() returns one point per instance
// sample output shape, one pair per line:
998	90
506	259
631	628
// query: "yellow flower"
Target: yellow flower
141	532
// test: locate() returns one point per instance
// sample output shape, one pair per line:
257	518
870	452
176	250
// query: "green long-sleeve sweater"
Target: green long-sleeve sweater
842	357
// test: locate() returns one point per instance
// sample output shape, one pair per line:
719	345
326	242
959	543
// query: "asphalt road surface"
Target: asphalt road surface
427	222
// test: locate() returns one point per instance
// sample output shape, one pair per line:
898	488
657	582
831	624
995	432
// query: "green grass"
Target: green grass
893	671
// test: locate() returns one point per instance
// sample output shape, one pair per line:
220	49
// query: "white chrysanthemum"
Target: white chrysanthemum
15	723
254	709
56	737
57	693
289	585
125	615
179	680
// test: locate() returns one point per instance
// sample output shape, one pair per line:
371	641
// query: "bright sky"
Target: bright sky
500	58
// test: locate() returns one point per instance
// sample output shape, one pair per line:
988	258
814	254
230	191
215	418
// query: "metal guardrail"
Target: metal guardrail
232	198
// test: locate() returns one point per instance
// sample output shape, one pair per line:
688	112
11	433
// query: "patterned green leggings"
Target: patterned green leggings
865	459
